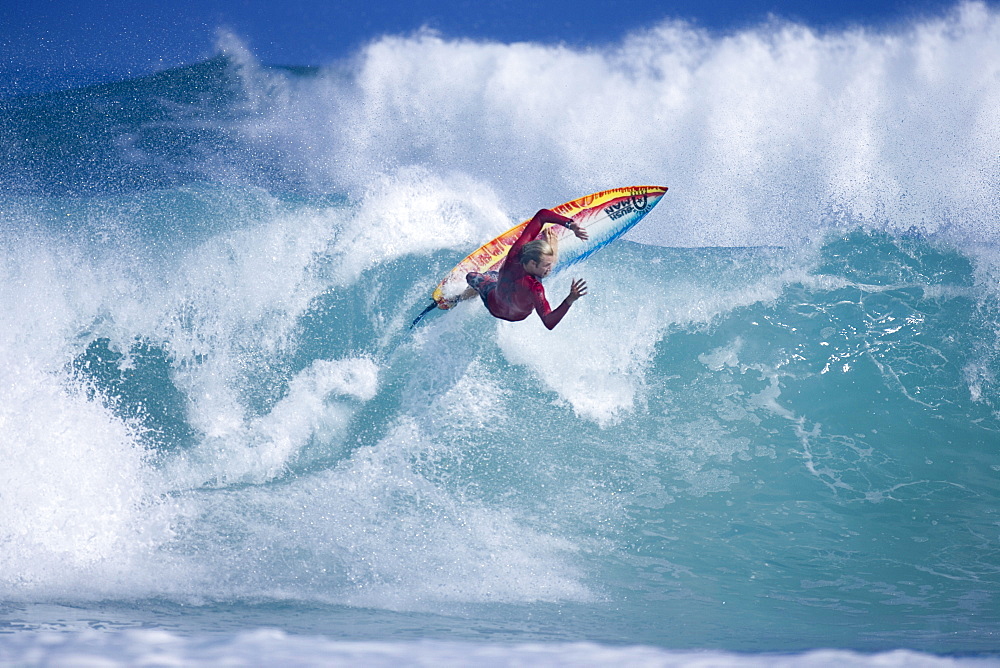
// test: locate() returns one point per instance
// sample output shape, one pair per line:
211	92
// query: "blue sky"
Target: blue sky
47	44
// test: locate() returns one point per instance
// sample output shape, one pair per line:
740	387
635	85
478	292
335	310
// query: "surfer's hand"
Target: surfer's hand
579	232
577	290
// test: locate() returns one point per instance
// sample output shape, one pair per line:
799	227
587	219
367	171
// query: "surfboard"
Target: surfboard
605	215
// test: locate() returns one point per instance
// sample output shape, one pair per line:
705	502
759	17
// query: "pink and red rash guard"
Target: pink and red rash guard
518	293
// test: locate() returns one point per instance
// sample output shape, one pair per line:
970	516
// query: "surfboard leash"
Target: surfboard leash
423	313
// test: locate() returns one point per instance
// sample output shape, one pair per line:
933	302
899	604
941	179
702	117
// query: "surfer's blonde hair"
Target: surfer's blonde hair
534	251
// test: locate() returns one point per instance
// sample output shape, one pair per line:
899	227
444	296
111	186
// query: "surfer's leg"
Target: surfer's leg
482	283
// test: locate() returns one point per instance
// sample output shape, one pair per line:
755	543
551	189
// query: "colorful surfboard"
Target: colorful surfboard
605	215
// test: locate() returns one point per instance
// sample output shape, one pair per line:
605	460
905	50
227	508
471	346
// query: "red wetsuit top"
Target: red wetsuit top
518	293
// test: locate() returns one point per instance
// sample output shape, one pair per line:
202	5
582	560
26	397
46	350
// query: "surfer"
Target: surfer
516	290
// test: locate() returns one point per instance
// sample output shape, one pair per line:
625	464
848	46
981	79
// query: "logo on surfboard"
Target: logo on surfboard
640	199
637	201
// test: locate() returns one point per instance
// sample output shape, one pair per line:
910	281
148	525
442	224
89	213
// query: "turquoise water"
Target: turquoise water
771	427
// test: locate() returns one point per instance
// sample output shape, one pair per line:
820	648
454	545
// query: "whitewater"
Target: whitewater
768	435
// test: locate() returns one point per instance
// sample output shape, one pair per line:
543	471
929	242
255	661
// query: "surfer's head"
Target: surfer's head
537	258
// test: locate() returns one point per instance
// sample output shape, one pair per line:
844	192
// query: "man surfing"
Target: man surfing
516	290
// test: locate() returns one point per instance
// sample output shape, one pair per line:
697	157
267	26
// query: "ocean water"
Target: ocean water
769	435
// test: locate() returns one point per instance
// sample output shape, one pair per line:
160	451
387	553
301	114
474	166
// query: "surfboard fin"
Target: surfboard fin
423	313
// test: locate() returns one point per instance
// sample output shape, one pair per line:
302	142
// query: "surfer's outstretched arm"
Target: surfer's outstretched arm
551	317
535	225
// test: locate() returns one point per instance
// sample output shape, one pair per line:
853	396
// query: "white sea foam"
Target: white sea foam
414	210
80	503
270	646
384	529
317	408
765	135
